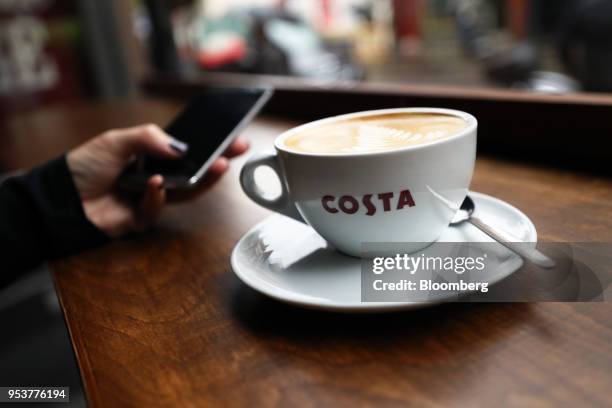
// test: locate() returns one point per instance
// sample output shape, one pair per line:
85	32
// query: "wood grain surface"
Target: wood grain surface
160	319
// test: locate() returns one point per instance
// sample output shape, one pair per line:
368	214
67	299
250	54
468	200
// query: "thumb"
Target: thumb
147	139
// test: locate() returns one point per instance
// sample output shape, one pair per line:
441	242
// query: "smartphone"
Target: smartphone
208	125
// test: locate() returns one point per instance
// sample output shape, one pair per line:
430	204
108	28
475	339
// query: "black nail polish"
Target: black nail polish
179	146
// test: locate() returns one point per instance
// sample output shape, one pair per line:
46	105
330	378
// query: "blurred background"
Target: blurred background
72	53
63	50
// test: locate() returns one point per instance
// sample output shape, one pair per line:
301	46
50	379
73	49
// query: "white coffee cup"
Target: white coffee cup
413	192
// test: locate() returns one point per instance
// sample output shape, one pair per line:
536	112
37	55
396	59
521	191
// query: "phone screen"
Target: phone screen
208	125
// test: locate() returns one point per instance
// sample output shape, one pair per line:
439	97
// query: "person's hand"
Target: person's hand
96	165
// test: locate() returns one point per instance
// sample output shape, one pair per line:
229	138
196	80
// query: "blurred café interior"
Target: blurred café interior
60	51
536	73
456	53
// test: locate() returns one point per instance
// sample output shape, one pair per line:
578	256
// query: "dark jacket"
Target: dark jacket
42	218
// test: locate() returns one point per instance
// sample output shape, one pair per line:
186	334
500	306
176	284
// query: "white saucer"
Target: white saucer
289	261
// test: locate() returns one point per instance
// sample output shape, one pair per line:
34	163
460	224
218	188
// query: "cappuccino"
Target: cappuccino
374	133
385	191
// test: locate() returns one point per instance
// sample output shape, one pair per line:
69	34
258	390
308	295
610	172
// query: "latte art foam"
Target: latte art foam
376	133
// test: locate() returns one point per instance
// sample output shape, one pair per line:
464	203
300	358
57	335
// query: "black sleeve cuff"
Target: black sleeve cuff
69	231
45	215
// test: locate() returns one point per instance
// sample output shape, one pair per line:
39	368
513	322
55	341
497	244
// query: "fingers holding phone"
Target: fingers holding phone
209	125
174	165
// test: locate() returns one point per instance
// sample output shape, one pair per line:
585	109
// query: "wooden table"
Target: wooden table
160	320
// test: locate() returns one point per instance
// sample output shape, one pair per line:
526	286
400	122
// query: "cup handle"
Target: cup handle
281	204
